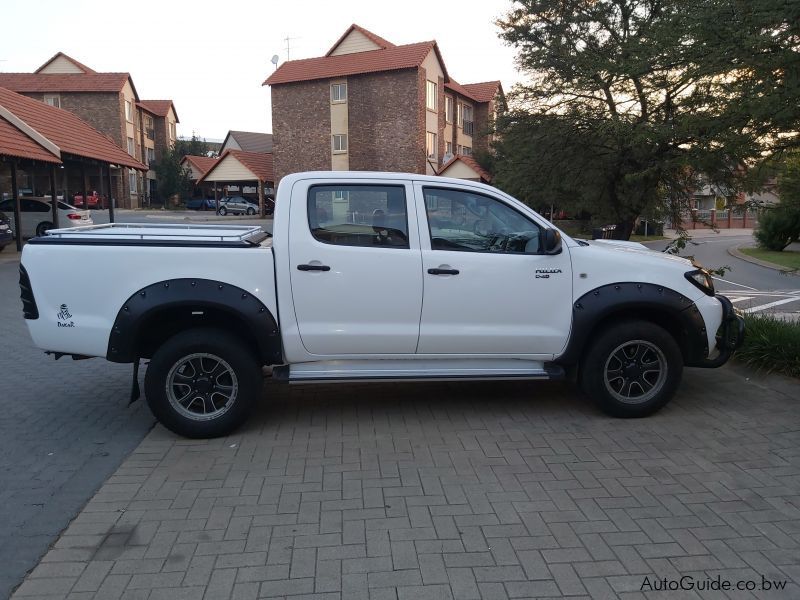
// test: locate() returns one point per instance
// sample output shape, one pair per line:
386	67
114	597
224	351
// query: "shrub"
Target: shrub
778	227
771	344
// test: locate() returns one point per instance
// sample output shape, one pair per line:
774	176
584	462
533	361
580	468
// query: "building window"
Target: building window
339	142
131	147
339	92
171	130
149	130
459	149
448	109
128	111
468	125
459	114
467	151
151	156
430	95
430	144
372	216
53	100
132	181
448	147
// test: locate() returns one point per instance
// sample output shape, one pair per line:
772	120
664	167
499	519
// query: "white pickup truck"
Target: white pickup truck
372	276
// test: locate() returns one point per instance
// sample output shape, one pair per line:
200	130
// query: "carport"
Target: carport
44	147
236	167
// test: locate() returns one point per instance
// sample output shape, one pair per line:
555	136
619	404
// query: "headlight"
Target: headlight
701	279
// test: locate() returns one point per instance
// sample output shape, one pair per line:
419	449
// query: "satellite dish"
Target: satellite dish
274	60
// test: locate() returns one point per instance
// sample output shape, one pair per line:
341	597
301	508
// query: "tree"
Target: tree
172	177
779	225
194	146
628	101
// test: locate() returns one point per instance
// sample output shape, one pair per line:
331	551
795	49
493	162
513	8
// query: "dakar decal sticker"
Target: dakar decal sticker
64	317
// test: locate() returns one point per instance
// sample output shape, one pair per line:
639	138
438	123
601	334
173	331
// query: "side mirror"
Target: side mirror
551	241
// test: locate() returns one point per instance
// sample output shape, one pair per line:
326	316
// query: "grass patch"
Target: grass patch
787	259
771	344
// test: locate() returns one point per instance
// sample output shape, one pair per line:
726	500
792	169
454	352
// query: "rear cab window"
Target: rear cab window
359	215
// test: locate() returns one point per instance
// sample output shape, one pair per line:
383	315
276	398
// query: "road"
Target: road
751	287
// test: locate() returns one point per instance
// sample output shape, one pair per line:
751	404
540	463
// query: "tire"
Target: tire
632	369
251	211
223	211
202	351
42	227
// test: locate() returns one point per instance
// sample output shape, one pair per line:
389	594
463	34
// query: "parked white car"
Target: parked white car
37	215
373	277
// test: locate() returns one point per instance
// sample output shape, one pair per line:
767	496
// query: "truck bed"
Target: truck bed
157	234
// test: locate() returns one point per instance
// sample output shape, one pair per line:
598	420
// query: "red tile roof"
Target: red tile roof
471	163
66	130
201	163
375	39
259	163
64	82
14	142
389	59
80	65
160	108
483	92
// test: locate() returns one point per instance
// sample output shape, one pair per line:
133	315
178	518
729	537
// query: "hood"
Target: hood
637	249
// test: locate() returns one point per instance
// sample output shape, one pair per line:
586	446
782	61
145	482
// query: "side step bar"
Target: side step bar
337	371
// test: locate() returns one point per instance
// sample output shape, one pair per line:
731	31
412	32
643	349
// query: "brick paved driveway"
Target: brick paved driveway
450	491
64	428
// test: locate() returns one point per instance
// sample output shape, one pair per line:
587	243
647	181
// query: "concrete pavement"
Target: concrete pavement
503	490
65	427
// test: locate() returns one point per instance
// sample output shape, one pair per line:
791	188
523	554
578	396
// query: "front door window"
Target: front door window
468	222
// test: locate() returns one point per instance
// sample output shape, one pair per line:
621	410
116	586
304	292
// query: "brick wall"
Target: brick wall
481	113
387	121
106	113
301	127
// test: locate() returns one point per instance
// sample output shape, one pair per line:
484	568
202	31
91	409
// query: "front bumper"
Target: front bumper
730	335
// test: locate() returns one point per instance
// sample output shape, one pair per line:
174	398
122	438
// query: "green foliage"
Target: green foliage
194	146
628	100
771	344
778	227
173	178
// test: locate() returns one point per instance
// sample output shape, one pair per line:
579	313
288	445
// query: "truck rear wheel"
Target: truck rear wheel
632	369
202	383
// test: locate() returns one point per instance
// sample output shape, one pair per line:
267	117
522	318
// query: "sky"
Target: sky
211	57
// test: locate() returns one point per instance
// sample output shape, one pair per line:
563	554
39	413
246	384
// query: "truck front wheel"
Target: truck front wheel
632	369
202	383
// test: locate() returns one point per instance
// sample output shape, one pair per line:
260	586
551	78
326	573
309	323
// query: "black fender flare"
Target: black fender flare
193	294
637	299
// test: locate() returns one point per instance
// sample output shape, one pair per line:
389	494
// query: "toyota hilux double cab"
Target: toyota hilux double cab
372	277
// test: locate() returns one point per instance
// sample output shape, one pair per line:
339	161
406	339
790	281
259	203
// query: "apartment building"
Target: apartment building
110	103
369	104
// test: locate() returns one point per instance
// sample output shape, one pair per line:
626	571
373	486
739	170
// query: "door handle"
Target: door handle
443	271
313	268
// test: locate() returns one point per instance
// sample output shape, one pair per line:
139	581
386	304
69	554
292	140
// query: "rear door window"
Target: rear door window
359	215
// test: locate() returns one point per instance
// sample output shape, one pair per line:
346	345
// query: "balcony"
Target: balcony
469	127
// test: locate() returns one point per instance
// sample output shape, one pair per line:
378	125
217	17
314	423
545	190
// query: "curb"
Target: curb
734	251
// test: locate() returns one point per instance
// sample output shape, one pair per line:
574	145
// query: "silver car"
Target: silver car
237	205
